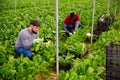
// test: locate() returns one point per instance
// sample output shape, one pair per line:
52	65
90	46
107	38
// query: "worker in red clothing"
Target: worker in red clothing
72	22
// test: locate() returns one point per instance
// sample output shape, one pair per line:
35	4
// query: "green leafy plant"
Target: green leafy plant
78	48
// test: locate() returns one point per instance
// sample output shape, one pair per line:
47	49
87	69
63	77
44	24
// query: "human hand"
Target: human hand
70	34
74	32
89	34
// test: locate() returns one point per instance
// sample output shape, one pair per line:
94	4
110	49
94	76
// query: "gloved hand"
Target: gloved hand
74	32
36	41
70	34
89	34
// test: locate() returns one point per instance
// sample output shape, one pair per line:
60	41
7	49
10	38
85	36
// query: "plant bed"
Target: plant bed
65	61
95	37
64	65
97	32
79	55
63	54
76	55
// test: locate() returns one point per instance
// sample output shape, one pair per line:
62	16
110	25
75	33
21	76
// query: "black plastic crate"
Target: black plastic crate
113	61
65	66
78	55
68	65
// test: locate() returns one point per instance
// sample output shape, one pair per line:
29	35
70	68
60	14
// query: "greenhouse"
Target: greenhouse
91	53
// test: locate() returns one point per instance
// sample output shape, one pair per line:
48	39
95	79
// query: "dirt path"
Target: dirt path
51	76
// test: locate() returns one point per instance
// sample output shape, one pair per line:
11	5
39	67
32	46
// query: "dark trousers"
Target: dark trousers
71	27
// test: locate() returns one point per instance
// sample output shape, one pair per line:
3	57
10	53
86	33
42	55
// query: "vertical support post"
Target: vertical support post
115	8
15	6
108	10
48	3
34	3
57	58
93	12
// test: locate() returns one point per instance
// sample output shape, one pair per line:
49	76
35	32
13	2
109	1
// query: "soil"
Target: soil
45	76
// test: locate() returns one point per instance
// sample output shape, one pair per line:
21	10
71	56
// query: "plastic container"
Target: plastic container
113	61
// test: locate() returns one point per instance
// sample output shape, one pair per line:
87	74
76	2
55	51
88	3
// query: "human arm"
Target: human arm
64	27
77	19
76	25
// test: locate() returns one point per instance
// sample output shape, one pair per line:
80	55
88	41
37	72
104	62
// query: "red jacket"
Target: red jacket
68	20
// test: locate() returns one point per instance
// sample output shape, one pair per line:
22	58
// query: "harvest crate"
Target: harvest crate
78	55
104	20
103	23
65	66
113	61
68	65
